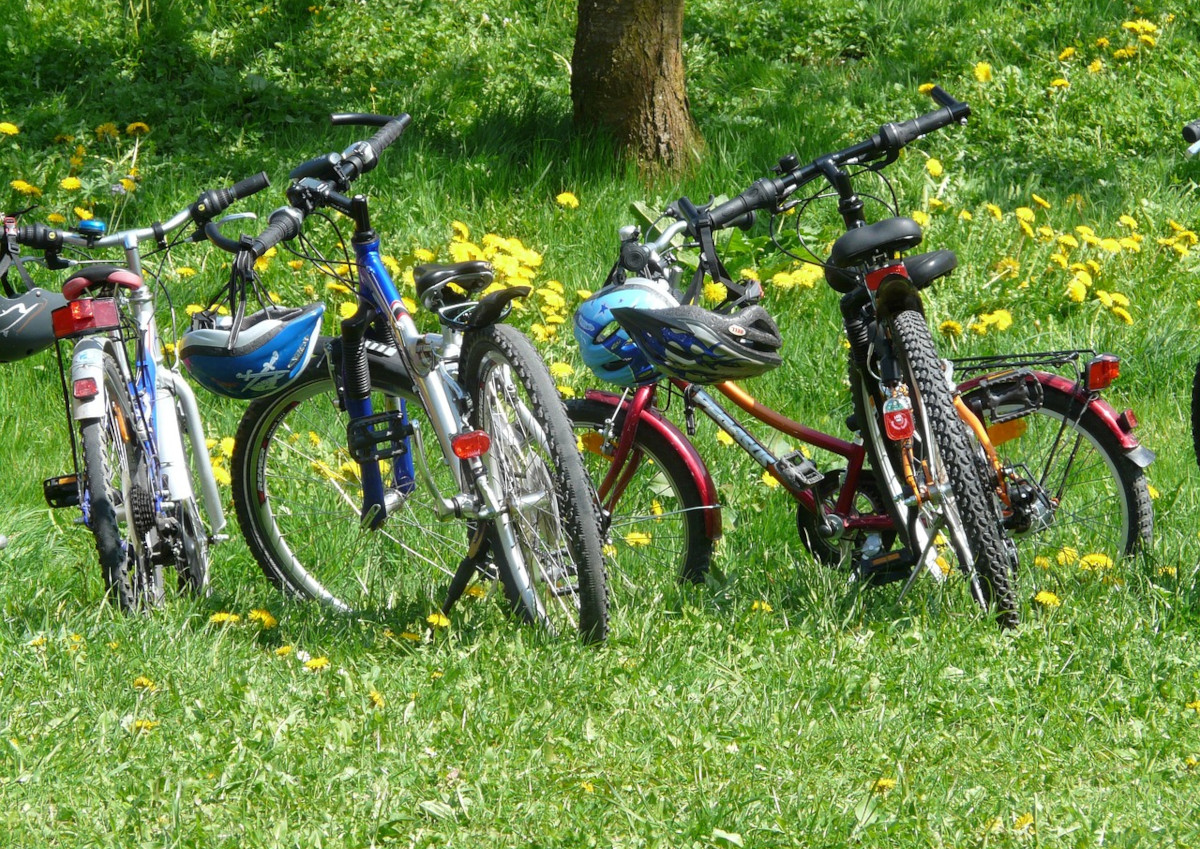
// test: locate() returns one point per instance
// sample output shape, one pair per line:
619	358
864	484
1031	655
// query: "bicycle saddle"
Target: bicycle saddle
433	281
890	236
99	277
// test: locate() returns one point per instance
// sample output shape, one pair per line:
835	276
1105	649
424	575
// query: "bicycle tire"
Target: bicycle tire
114	476
297	499
1065	461
659	516
533	450
982	550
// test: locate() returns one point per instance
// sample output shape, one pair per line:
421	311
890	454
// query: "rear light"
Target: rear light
1101	372
90	315
472	444
85	387
1127	421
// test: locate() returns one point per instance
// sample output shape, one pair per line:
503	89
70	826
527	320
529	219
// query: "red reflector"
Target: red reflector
472	444
85	387
1127	421
1102	371
90	315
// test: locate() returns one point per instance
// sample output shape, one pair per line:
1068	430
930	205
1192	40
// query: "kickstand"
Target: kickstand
920	566
477	553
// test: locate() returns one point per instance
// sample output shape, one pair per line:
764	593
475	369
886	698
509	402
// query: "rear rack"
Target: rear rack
971	365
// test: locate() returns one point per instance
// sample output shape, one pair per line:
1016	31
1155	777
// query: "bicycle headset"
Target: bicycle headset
605	345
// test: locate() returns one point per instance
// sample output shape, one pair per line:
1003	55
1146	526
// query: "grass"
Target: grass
824	716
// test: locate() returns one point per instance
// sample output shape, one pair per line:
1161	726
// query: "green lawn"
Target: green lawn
774	707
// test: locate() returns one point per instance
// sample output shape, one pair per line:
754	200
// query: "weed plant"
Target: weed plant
774	707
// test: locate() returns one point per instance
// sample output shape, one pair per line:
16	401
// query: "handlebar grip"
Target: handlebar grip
763	194
896	136
362	156
40	237
284	224
1191	132
213	202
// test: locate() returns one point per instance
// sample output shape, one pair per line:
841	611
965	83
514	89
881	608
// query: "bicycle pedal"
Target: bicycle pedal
798	471
378	437
62	491
885	568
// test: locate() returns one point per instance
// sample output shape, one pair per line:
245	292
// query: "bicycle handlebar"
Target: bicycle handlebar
208	205
1191	132
767	192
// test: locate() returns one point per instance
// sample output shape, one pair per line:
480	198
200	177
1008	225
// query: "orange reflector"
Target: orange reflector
85	387
1101	372
592	442
474	443
1007	431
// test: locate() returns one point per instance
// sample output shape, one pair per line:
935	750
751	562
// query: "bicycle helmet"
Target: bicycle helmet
25	323
270	350
606	347
702	346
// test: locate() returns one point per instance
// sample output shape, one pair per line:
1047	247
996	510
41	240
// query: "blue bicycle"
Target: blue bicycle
337	488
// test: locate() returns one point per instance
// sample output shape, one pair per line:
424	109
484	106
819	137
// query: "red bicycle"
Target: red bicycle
1017	456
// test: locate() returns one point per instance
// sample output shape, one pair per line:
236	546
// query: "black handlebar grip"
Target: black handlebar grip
285	224
362	156
213	202
763	194
1191	132
40	237
896	136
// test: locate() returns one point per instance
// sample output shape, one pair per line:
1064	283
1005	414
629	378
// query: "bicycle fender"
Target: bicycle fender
684	448
1120	424
87	361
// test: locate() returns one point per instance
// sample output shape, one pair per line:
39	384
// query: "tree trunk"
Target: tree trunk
627	78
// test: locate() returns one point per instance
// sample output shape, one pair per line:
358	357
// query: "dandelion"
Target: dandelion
475	591
1024	214
1096	563
410	636
71	184
37	642
965	215
993	210
27	189
567	200
82	214
1122	315
438	620
951	328
723	438
1040	201
263	618
376	699
145	724
8	129
761	606
934	167
1007	267
637	539
107	130
1024	823
1102	42
1140	27
1147	40
921	217
1042	562
883	785
1166	571
1047	599
316	664
137	128
983	72
714	292
1076	290
144	683
224	618
1066	54
284	651
460	232
1095	66
1193	706
1060	83
1153	490
1125	53
57	219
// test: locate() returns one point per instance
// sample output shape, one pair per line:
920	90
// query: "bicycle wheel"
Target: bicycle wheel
116	493
943	457
297	496
534	463
658	520
1071	485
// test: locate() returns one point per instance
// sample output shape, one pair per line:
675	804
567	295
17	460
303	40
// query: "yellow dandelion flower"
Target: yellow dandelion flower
1059	259
883	785
144	683
82	214
1193	706
224	618
376	699
1167	571
1041	201
316	664
1123	315
1026	228
56	218
724	438
937	203
1112	246
71	184
637	539
438	620
1067	556
1024	214
475	591
27	189
1095	66
8	129
560	370
145	724
921	217
1104	298
263	618
965	215
1042	562
1024	823
567	200
1047	599
284	651
461	232
37	642
1129	221
1096	562
1007	267
1060	83
1102	42
221	474
934	167
410	636
1153	490
107	130
1125	53
951	328
761	606
993	210
1066	54
983	72
770	480
714	292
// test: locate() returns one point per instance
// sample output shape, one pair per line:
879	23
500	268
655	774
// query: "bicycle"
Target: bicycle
1191	135
134	474
925	456
322	464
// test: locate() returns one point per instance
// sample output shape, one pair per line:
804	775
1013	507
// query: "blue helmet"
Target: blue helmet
606	347
271	349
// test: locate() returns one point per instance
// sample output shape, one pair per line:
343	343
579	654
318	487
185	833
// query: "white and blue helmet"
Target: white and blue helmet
606	348
271	349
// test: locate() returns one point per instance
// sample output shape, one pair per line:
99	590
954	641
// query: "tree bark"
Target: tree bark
627	78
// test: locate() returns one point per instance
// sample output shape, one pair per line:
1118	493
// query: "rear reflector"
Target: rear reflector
1101	372
90	315
474	443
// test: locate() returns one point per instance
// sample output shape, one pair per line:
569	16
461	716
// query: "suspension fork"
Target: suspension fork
356	380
